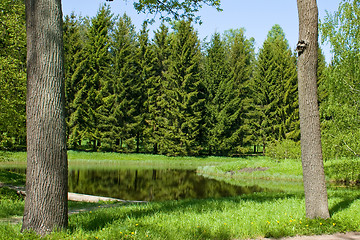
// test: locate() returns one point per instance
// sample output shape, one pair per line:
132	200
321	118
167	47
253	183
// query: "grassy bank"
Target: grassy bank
344	170
110	160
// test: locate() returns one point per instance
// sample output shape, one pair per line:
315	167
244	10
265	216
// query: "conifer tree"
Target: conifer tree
90	115
274	87
126	88
74	71
146	77
185	94
216	71
263	89
156	90
150	79
232	127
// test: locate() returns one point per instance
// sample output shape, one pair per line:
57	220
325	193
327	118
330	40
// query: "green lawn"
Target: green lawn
271	214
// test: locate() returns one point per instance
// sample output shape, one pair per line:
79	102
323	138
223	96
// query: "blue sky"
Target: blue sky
256	16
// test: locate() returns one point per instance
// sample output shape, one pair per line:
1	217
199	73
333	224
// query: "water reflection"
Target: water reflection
152	185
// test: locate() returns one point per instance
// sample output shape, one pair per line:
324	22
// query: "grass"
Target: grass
290	170
250	216
111	160
271	214
10	203
285	170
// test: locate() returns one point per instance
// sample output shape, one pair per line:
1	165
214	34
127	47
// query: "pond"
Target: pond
152	185
149	184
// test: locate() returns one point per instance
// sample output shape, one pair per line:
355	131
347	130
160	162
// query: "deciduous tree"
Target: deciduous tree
340	109
12	74
46	203
47	170
316	200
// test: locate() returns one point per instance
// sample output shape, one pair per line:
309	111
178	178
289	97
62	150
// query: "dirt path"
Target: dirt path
336	236
77	197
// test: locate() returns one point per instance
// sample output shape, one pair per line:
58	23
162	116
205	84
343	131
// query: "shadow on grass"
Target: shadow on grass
8	177
96	220
344	204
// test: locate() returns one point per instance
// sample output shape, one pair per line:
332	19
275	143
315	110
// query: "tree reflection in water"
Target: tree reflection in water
152	185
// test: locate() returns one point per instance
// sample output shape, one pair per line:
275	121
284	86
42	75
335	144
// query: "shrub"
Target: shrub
286	149
346	170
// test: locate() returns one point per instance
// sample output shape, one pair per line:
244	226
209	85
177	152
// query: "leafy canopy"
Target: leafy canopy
175	9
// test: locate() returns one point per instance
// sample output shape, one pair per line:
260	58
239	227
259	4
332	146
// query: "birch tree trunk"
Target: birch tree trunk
316	199
47	169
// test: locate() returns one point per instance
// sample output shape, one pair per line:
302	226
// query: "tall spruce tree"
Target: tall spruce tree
126	90
275	115
146	77
263	89
216	69
184	93
232	125
74	65
147	61
90	116
157	102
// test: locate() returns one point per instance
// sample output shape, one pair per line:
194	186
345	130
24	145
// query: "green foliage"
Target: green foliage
126	92
184	93
12	75
345	170
215	75
91	77
340	109
229	91
149	79
124	101
275	113
285	149
156	102
175	9
75	68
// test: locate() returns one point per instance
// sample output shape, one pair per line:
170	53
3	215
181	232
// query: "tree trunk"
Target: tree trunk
47	169
316	200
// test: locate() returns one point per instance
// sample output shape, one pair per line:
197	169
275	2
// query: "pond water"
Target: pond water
152	185
149	184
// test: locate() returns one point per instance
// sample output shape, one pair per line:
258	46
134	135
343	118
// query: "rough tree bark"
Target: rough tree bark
47	169
316	199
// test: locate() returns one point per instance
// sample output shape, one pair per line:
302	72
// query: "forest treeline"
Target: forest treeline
174	94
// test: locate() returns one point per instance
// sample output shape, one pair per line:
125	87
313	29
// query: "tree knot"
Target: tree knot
301	46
